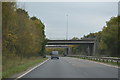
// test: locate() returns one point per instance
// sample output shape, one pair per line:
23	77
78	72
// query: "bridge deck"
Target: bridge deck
69	42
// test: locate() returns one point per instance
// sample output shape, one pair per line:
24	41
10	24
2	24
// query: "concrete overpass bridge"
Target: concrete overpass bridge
63	44
70	42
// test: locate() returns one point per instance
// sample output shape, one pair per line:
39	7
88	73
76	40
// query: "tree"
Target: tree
109	37
22	36
75	38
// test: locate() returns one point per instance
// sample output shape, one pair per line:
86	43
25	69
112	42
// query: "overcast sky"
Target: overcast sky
83	17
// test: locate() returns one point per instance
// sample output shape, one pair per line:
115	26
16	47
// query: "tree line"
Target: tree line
22	35
108	40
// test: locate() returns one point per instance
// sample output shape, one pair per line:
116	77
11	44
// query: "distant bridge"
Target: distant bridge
58	44
70	42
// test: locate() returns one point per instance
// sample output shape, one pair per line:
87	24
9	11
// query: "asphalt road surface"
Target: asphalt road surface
66	67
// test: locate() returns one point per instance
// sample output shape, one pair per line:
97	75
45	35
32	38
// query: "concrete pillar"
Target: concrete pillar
66	51
88	51
91	49
95	47
69	50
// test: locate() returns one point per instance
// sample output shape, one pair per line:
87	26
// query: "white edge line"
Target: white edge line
31	69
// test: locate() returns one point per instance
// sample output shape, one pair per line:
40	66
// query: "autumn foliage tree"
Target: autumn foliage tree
23	36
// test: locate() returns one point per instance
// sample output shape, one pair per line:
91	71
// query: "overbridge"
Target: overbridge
70	42
63	43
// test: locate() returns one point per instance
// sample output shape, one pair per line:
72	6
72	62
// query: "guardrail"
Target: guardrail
102	59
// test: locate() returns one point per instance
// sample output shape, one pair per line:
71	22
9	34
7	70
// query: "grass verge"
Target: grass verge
26	63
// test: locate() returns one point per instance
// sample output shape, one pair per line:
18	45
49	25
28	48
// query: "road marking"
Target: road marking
31	69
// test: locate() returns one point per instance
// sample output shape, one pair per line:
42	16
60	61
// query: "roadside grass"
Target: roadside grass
17	65
102	61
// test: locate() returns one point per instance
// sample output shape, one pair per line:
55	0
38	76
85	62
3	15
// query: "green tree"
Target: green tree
75	38
109	37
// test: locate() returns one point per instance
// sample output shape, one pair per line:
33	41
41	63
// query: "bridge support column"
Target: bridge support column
91	50
95	47
88	51
66	51
69	50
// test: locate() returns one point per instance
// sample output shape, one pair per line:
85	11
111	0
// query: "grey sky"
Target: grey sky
83	17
